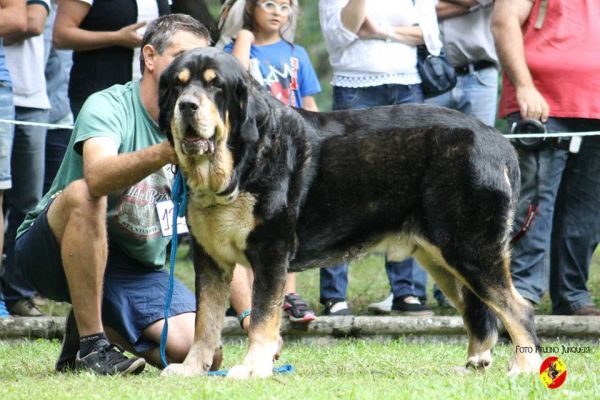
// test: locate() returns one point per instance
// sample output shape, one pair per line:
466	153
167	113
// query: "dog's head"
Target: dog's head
206	115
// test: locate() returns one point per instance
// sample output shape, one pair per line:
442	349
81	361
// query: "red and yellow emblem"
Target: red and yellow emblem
553	372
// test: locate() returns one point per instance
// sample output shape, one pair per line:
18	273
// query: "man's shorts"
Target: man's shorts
7	111
134	295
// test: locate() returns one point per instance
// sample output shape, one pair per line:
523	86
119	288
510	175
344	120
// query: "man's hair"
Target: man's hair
160	32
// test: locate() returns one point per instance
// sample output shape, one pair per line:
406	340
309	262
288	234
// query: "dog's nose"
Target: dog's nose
189	105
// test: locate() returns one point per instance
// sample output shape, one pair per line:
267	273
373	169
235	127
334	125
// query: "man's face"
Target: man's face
181	42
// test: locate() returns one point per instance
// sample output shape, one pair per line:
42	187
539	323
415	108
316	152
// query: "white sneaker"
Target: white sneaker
383	307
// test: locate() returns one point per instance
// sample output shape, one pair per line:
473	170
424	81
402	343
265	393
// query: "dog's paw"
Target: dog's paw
181	370
524	364
245	372
480	362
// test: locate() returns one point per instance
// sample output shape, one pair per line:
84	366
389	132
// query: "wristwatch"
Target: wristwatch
389	38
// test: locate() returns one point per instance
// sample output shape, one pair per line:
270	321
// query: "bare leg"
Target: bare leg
78	221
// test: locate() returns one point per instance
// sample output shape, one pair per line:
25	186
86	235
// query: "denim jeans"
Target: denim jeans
26	192
558	247
7	111
475	94
334	280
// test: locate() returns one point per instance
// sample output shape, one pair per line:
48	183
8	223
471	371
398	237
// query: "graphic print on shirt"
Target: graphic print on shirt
283	83
136	206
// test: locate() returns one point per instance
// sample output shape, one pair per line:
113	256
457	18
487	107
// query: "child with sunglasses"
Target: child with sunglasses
286	70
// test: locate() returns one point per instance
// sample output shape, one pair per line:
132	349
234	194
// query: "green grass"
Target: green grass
348	370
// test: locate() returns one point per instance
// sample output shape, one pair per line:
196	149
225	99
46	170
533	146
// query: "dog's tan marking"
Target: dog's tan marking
213	288
263	345
209	75
208	174
184	75
223	230
521	362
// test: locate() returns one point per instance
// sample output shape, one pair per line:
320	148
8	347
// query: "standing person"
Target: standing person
549	54
105	37
286	70
94	240
13	20
58	67
372	47
465	27
25	61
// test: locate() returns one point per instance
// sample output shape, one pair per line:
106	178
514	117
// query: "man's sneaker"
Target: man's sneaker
383	307
297	308
108	359
70	346
411	308
336	307
3	311
25	308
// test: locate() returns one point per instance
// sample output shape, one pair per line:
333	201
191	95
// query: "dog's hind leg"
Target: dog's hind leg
488	277
212	292
480	322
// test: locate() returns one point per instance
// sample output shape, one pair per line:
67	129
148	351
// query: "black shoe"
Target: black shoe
70	346
108	359
336	307
400	307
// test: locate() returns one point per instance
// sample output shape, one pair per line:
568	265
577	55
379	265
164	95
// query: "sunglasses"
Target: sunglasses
271	7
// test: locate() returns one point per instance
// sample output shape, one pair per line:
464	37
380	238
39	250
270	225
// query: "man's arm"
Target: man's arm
68	35
507	19
108	172
13	17
36	21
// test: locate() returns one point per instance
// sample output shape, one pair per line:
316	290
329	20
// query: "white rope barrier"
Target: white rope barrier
508	136
49	126
550	134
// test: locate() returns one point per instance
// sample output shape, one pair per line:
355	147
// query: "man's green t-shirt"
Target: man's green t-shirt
132	221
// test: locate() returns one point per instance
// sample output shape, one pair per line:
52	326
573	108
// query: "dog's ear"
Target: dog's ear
166	99
246	112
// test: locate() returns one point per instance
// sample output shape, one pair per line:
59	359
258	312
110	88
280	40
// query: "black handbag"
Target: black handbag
437	73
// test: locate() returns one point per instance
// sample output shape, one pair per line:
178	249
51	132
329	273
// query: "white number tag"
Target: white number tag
164	209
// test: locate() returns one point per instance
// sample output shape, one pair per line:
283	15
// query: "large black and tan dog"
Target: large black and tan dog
280	189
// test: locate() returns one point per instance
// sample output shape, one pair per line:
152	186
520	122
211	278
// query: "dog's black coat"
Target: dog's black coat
331	186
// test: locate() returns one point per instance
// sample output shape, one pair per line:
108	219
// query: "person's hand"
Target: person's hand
129	37
369	30
168	153
532	104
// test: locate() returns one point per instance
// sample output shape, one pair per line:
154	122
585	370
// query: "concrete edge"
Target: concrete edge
327	328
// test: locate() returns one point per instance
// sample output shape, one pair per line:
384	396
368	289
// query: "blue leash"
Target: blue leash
179	196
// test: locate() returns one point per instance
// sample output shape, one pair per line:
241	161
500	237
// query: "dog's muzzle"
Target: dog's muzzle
199	127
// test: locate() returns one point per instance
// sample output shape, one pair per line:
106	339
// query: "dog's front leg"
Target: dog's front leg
212	292
269	268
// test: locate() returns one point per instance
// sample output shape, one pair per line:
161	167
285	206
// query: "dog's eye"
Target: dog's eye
216	84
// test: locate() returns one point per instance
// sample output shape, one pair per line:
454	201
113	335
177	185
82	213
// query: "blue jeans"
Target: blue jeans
475	94
7	111
557	249
26	192
334	280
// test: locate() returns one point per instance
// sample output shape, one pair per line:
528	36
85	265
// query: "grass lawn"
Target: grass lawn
349	369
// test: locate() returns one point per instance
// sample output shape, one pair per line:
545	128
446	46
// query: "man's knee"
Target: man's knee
79	197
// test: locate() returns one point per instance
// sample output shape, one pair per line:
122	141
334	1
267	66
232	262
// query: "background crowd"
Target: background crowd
55	55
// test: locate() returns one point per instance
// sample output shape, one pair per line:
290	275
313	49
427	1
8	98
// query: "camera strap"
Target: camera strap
533	205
